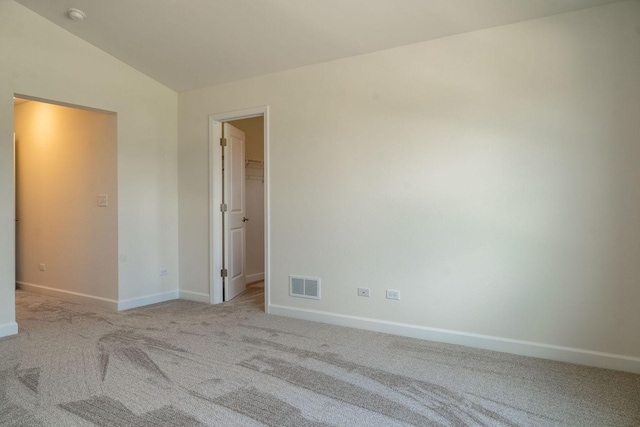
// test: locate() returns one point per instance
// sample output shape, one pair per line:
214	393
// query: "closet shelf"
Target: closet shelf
251	163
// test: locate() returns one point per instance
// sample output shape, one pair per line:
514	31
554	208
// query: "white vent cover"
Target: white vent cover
305	287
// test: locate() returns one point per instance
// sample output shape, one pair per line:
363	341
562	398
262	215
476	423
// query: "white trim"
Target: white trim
267	212
193	296
215	199
254	277
524	348
215	216
130	303
99	301
70	296
246	113
7	329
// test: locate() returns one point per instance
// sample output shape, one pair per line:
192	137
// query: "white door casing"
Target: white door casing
234	235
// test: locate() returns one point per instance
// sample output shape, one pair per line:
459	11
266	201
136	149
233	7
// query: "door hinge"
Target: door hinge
223	207
223	142
223	272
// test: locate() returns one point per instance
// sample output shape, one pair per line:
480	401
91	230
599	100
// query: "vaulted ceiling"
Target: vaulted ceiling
190	44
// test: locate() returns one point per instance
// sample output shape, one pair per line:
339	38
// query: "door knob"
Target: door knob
245	219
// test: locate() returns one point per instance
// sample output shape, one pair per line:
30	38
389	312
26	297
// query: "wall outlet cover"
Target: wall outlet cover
364	292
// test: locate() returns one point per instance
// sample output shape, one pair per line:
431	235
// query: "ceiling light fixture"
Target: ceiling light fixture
76	14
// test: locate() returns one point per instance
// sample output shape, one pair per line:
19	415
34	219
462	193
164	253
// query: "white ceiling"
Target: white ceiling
190	44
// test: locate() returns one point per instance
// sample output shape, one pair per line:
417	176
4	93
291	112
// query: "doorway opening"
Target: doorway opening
66	242
239	214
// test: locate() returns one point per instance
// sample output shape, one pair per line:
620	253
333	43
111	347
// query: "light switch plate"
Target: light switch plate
103	200
393	294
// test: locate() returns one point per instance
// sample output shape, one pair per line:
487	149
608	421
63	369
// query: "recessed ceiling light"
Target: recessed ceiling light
76	14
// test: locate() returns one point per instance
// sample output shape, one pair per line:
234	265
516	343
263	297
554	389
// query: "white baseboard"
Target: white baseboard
486	342
99	301
7	329
193	296
128	304
69	296
254	277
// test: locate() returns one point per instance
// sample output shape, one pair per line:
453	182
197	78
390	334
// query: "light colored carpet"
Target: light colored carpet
188	364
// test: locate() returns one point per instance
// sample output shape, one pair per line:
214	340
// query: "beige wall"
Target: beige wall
65	157
491	177
41	60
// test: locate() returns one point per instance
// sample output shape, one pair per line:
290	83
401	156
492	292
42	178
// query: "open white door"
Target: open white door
234	218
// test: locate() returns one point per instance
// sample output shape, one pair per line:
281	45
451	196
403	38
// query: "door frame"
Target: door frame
215	199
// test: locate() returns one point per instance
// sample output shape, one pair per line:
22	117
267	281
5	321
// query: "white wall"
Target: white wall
491	177
65	157
41	60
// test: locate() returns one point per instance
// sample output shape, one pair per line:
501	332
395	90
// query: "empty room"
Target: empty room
319	213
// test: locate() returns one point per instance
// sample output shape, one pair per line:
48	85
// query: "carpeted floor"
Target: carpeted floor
182	363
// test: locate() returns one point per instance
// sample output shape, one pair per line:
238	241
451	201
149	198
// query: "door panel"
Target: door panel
236	266
236	146
234	225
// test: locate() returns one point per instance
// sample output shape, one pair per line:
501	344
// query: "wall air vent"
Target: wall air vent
305	287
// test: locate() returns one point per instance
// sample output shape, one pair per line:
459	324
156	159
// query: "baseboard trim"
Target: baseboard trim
69	296
99	301
486	342
7	329
194	296
128	304
254	277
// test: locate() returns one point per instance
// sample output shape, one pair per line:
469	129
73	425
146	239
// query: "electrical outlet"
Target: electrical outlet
391	294
164	272
43	267
363	292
